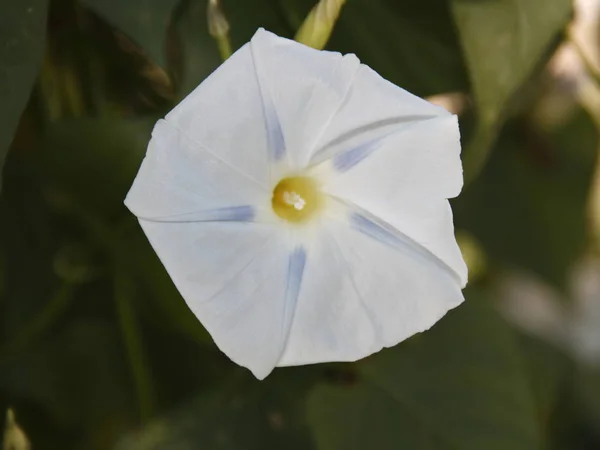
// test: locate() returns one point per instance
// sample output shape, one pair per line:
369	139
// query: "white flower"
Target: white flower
299	203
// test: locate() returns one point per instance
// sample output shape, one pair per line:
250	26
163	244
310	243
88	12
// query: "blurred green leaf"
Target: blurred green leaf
78	377
587	393
29	237
96	160
548	371
200	51
93	162
134	345
38	325
139	259
2	272
503	41
528	209
411	43
460	385
244	415
200	54
144	21
22	37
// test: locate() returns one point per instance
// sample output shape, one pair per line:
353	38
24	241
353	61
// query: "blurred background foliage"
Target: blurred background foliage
99	351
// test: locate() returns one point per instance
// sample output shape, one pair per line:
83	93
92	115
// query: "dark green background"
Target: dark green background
99	351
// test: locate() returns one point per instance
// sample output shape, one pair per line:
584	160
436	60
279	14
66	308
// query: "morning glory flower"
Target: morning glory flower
299	203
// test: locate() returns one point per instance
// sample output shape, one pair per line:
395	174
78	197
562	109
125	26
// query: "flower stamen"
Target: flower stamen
296	199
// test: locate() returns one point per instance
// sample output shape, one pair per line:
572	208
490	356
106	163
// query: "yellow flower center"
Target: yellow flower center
296	199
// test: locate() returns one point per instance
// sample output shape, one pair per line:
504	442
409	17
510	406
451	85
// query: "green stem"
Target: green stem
224	47
318	25
72	93
132	338
218	28
38	326
50	89
123	290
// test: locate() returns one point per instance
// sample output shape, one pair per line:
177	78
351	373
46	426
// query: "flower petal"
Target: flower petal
404	179
225	115
372	108
179	179
409	290
363	290
331	322
302	87
239	279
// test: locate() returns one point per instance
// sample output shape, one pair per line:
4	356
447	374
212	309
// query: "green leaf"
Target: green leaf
503	41
529	207
96	160
90	165
200	52
412	43
244	415
135	253
200	55
29	239
22	37
459	386
549	371
79	378
144	21
587	392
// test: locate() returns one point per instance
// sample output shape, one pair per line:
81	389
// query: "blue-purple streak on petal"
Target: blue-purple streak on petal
346	160
296	265
274	131
276	139
374	230
245	213
398	241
